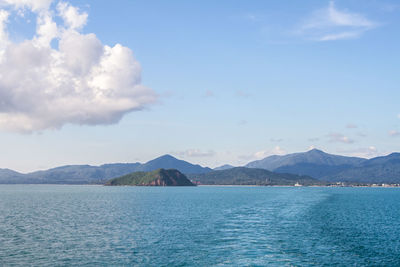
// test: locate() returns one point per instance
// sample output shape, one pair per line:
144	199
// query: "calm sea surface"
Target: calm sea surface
50	225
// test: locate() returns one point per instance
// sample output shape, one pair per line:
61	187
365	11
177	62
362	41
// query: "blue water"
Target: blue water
49	225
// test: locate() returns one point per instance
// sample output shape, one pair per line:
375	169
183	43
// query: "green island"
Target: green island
160	177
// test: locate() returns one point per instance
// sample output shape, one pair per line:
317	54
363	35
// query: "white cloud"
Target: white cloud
330	23
311	147
261	154
34	5
71	15
46	29
364	152
82	81
394	133
339	138
277	150
398	115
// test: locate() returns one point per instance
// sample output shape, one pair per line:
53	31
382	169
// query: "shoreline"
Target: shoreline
367	186
214	185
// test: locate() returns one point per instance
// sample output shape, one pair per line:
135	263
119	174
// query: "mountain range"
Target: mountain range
86	174
314	163
314	156
248	176
328	167
377	170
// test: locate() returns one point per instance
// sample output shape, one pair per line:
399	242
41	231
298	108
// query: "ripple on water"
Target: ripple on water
101	226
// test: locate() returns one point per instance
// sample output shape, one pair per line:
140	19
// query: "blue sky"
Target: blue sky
219	81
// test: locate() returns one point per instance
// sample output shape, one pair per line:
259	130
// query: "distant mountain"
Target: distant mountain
86	174
384	169
160	177
7	176
314	156
248	176
314	163
328	167
81	174
169	162
223	167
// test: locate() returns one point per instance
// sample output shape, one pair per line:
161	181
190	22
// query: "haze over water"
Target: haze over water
47	225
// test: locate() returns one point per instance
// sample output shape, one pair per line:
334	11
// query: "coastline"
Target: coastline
215	185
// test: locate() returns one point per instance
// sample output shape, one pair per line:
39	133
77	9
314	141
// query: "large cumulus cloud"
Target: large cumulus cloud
46	84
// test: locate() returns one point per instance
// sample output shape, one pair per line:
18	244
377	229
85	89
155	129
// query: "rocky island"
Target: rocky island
160	177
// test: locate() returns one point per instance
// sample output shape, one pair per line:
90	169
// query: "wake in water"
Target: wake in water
202	226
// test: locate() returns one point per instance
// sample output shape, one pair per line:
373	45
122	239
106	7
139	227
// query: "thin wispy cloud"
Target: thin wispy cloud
361	134
394	133
208	94
243	122
250	17
351	126
243	94
339	138
195	153
332	23
277	150
390	7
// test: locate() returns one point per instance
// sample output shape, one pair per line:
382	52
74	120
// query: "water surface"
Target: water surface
50	225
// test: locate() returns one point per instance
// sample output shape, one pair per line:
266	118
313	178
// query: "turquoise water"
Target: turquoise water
49	225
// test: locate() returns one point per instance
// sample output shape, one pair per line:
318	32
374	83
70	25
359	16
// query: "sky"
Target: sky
210	82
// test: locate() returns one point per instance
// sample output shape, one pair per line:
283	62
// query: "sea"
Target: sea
67	225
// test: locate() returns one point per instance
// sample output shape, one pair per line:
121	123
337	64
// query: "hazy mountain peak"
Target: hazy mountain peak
166	156
314	162
315	151
223	167
169	162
